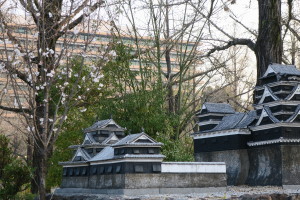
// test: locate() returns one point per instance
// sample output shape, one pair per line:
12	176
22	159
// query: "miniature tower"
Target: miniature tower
260	147
274	147
226	141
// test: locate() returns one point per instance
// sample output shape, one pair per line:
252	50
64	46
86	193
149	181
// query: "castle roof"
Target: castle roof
218	108
102	124
235	121
133	139
281	69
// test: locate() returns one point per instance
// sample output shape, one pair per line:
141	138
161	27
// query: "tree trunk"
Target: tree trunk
269	42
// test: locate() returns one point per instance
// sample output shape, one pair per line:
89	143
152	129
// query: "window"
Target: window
77	171
70	171
98	150
136	151
84	171
89	151
77	158
101	171
108	169
116	151
118	169
65	172
122	151
151	151
94	170
139	168
156	168
105	132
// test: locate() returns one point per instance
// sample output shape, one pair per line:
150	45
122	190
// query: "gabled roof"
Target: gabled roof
218	108
234	121
281	69
266	112
132	140
102	124
112	136
89	139
106	154
82	153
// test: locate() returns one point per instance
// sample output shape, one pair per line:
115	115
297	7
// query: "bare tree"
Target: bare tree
40	68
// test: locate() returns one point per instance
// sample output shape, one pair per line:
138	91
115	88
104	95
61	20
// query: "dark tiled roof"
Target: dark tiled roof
294	115
270	114
219	108
283	69
247	120
106	154
130	138
101	124
235	121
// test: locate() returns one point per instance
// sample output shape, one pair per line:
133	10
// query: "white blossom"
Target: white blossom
50	120
112	53
51	51
16	103
83	110
76	31
50	14
38	14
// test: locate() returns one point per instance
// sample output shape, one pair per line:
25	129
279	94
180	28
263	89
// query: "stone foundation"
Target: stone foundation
164	183
237	163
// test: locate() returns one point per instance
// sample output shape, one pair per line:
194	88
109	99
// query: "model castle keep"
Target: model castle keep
261	147
111	163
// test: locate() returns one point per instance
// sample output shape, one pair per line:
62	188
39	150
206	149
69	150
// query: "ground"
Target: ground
241	193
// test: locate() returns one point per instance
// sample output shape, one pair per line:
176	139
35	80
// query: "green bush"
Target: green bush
14	174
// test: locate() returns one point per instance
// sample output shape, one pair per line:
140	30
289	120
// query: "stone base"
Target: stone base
143	191
237	163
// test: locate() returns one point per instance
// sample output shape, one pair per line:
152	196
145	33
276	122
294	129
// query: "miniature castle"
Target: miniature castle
260	147
108	162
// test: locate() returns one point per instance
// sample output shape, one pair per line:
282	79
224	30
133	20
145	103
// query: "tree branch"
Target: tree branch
236	41
19	74
78	20
16	110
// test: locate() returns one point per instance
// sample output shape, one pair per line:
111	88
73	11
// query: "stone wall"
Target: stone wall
136	181
237	163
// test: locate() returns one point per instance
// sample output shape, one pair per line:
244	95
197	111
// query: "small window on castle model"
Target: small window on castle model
98	150
101	171
116	151
65	172
89	151
151	151
288	108
288	130
105	132
118	169
70	171
139	168
156	168
84	171
94	170
136	151
108	169
77	171
77	158
122	151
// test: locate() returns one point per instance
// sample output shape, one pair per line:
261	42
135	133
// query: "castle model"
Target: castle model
261	147
108	162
